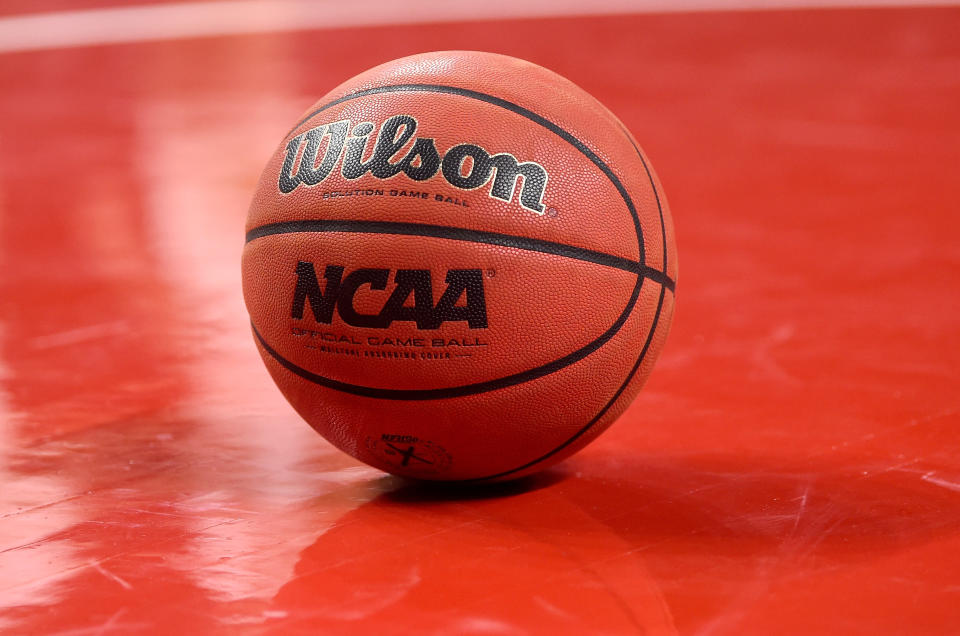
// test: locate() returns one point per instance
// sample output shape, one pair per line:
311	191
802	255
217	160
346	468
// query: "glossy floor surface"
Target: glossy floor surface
792	466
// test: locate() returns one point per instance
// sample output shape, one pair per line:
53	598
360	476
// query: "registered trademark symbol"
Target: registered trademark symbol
491	273
553	212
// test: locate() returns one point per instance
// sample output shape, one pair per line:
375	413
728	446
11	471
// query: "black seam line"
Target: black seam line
462	234
596	418
455	391
502	103
656	194
643	352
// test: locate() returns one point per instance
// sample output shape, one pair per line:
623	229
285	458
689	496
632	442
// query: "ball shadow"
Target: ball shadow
409	491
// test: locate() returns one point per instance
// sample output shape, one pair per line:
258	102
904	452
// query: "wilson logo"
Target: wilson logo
464	166
339	293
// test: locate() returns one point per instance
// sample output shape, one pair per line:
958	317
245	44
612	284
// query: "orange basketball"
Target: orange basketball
459	266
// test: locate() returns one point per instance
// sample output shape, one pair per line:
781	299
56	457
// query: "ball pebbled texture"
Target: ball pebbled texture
459	266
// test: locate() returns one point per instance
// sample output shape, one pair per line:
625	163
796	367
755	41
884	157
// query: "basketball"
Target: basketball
459	266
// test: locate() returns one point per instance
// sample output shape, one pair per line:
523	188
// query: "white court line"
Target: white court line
90	27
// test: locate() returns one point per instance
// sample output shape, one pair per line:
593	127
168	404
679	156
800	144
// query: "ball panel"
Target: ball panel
538	308
489	433
581	206
530	86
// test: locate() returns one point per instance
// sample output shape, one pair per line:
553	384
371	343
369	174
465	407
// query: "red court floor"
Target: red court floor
792	467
